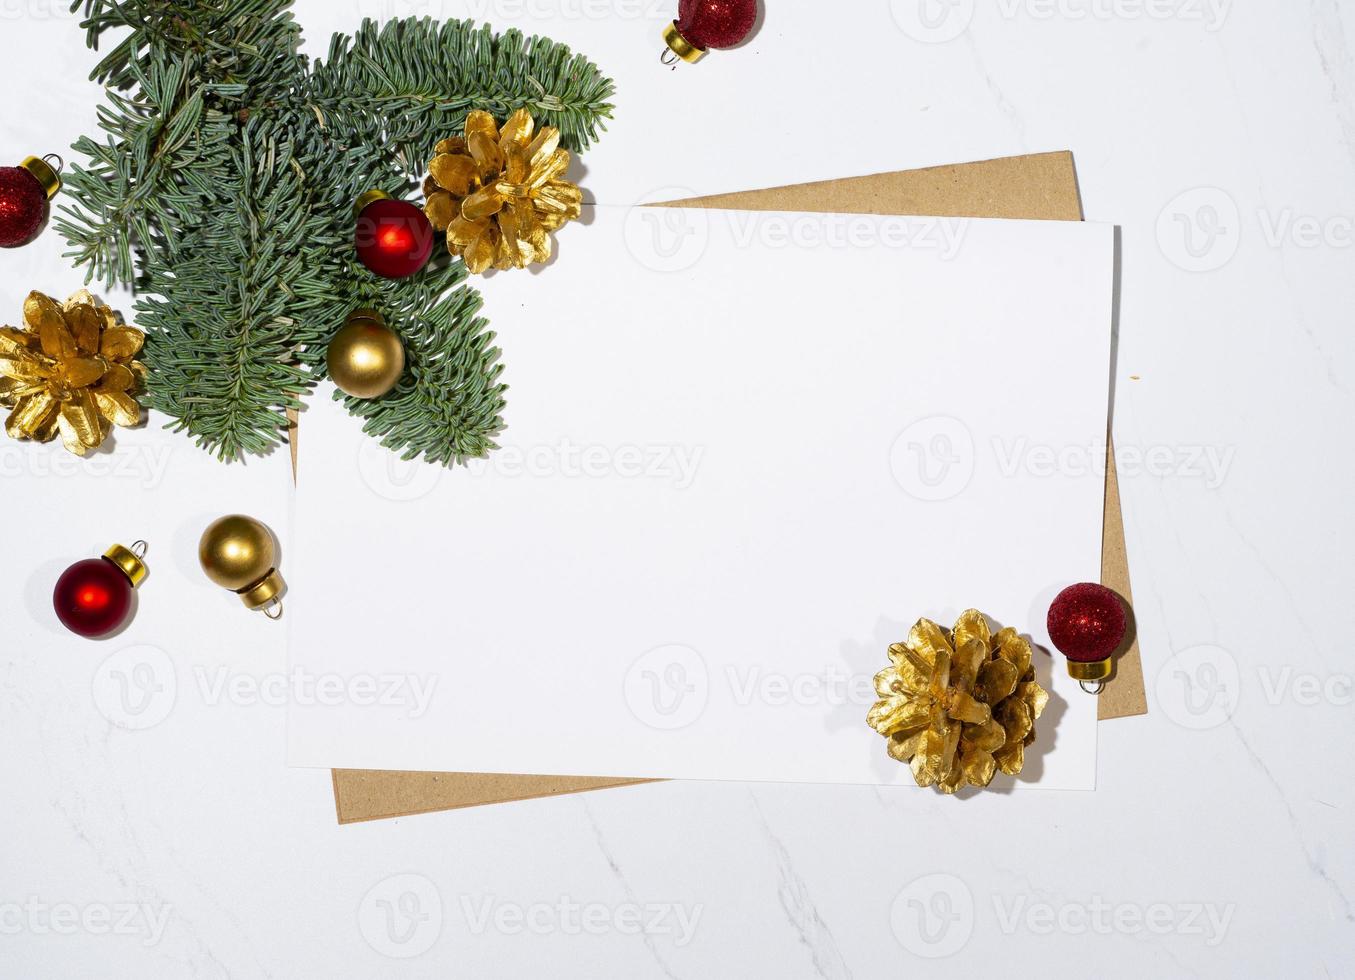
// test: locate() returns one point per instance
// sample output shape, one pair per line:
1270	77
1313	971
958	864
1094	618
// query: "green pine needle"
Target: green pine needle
221	189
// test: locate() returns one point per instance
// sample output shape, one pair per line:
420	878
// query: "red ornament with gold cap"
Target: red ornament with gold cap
393	238
1087	623
94	597
705	24
24	193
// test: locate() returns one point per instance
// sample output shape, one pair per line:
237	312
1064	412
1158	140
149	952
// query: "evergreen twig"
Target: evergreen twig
222	187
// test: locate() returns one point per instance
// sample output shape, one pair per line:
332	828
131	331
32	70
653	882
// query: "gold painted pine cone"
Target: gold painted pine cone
958	705
498	194
70	369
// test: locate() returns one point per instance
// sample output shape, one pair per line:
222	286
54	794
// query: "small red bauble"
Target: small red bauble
94	597
705	24
1087	623
393	238
24	193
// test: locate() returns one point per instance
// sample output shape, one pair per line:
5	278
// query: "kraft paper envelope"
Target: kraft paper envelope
1041	186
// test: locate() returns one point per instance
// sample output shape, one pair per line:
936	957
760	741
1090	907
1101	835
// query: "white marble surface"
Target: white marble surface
1218	841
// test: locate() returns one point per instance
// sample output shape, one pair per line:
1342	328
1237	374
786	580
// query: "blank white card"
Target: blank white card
744	453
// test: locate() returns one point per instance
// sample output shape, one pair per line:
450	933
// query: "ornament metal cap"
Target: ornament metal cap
1091	675
368	199
264	593
129	561
680	46
45	174
367	315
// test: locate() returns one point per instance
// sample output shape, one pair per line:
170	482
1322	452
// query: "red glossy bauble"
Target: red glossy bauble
1087	623
393	238
23	206
716	23
93	597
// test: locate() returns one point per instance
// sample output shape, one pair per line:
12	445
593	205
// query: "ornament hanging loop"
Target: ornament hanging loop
139	548
1092	687
273	610
669	59
60	164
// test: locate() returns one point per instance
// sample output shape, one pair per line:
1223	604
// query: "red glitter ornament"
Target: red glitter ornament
24	193
393	238
94	597
705	24
1087	623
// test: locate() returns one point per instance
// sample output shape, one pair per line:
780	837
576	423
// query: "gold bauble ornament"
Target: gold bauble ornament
237	553
365	358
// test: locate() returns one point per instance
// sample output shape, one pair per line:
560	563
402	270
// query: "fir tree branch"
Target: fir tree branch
150	137
223	188
226	315
237	41
181	60
447	407
411	83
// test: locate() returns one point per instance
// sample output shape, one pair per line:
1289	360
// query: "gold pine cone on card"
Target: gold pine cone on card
70	369
500	193
958	705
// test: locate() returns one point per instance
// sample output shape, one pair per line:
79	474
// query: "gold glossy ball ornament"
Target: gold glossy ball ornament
237	553
365	358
